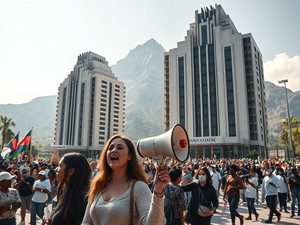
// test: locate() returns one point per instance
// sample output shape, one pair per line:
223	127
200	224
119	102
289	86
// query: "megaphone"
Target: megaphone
173	143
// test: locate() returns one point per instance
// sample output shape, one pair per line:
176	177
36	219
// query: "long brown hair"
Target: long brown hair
134	169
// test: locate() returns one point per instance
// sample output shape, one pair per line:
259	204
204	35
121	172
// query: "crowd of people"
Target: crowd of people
121	188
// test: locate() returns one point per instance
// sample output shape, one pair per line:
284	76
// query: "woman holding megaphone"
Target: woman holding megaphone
119	193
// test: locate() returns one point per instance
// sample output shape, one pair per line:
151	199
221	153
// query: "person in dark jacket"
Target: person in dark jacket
74	174
203	193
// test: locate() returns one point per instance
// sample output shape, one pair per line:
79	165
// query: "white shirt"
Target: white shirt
282	185
270	189
251	191
215	177
38	196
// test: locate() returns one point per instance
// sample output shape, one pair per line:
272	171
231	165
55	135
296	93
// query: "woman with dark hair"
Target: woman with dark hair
74	174
283	189
251	183
110	192
232	190
53	183
203	194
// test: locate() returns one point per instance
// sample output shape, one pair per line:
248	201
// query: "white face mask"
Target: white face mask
202	178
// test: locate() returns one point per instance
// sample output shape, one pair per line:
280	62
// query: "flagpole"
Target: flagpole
30	151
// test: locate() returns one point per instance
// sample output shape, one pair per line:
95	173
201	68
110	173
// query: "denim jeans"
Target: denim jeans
263	193
251	208
271	203
257	187
233	205
8	221
295	197
36	209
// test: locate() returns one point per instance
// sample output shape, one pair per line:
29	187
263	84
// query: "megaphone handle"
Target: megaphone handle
160	160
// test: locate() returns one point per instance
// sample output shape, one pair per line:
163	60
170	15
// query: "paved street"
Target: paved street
218	218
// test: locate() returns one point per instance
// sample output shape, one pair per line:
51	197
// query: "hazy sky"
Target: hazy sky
40	40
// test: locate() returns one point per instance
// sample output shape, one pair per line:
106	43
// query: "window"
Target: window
181	91
230	92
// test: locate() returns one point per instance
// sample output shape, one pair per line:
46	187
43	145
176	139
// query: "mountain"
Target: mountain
38	113
142	73
276	106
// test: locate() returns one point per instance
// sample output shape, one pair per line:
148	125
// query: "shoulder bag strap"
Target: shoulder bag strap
202	195
131	202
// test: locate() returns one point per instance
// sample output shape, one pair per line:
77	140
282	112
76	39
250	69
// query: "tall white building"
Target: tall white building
90	107
214	86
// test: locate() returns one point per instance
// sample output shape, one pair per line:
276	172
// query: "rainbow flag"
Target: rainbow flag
11	145
23	145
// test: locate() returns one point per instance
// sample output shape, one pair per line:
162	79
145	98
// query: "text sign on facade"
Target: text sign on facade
206	140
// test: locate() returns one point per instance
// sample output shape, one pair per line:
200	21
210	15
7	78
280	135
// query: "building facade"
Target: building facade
90	107
214	87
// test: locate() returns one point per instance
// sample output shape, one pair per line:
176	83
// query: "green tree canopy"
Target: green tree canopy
6	132
285	136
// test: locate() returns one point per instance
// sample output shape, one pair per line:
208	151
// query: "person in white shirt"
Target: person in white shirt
41	187
283	189
187	177
94	169
216	179
271	185
251	183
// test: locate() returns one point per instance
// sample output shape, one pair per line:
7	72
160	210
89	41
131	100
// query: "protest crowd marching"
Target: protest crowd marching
177	193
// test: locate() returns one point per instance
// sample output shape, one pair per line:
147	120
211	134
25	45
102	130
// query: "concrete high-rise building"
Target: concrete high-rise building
90	107
214	86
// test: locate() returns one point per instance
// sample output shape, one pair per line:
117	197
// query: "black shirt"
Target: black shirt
294	186
78	209
26	189
210	200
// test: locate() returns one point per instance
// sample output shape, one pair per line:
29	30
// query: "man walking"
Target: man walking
271	183
294	189
216	179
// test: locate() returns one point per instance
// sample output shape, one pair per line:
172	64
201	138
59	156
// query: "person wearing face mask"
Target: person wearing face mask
203	193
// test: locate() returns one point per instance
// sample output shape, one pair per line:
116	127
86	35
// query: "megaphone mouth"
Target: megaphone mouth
173	143
179	143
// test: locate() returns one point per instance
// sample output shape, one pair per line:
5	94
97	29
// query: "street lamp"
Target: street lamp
289	122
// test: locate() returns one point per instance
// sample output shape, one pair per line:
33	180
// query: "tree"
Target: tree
275	144
285	136
252	154
296	138
6	132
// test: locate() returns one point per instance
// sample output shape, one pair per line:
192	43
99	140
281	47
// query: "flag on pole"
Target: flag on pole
11	145
23	145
